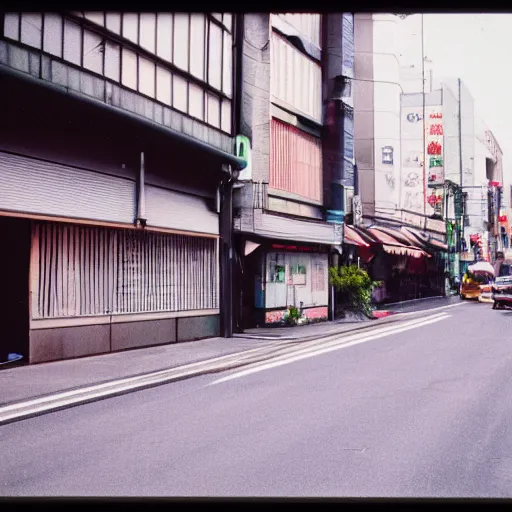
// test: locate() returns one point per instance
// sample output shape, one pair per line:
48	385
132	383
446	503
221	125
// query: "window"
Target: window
52	40
148	31
295	161
12	25
276	270
147	77
215	57
112	61
131	26
163	85
213	111
114	22
95	17
164	32
93	52
298	273
287	65
387	155
289	72
227	77
31	27
197	45
72	42
227	20
225	122
181	51
196	101
179	93
307	24
129	69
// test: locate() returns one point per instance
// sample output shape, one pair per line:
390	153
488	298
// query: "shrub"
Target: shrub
292	315
356	284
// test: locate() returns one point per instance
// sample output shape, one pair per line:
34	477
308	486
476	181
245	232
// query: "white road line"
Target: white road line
89	393
356	335
312	353
179	370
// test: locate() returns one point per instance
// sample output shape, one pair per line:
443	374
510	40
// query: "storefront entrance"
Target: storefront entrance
14	287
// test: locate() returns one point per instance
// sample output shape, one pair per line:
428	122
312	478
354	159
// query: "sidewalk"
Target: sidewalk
25	382
421	304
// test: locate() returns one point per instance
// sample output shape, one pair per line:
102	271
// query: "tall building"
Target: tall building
116	144
284	242
377	92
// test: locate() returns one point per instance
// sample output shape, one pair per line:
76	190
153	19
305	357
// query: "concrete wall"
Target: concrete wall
364	143
85	340
386	68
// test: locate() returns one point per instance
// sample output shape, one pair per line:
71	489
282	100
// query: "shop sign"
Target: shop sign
434	148
357	210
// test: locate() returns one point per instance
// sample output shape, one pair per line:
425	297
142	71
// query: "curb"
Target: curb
164	380
364	325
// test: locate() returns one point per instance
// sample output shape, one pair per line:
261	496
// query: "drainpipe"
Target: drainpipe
140	220
226	252
234	308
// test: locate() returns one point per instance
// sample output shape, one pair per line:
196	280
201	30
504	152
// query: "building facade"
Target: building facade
283	239
116	146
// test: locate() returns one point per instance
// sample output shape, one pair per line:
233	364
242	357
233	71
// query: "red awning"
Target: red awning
352	237
432	242
393	246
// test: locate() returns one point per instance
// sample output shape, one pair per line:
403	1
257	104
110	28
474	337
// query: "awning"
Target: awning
392	246
352	237
400	236
404	251
428	242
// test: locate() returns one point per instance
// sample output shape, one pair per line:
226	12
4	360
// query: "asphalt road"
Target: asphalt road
422	413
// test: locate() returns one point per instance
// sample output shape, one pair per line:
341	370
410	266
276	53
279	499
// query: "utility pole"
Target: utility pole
424	121
459	219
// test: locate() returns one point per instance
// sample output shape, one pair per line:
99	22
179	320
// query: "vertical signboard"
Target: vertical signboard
434	141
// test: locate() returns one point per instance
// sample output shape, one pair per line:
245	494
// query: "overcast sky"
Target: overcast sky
478	49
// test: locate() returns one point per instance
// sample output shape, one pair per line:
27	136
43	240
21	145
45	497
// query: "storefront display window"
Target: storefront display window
276	268
298	273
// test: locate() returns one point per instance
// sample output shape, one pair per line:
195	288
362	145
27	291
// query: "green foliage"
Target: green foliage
356	284
293	313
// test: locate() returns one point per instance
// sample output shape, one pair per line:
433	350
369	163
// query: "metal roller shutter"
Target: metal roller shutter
175	210
29	185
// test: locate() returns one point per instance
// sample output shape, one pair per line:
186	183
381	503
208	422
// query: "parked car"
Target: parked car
502	292
486	293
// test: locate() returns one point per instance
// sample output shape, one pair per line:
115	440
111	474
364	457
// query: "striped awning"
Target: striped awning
393	245
429	243
352	237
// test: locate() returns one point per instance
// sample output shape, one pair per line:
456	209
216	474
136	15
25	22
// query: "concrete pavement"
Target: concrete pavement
420	413
51	386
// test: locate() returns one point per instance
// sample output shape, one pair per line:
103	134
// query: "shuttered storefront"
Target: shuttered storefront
42	188
39	187
82	271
